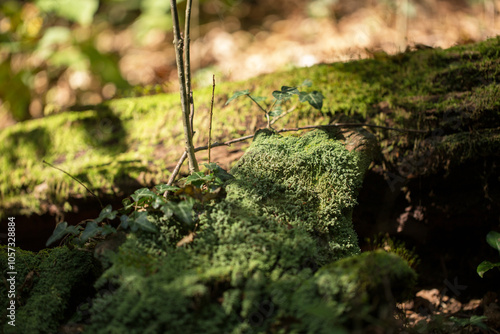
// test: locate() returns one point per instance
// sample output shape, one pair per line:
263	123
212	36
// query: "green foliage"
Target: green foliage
493	239
275	110
47	284
136	212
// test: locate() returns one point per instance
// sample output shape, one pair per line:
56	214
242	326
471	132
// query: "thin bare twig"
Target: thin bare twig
74	178
176	169
275	119
351	125
211	114
307	127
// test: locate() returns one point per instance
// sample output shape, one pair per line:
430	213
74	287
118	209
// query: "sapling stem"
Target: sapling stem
211	114
185	103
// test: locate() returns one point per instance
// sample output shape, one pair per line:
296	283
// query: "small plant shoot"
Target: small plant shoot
275	110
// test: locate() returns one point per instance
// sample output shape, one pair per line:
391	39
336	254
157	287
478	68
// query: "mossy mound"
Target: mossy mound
49	286
125	144
256	253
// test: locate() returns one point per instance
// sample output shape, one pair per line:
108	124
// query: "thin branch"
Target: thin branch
308	127
211	114
74	178
275	119
187	62
352	125
257	103
176	169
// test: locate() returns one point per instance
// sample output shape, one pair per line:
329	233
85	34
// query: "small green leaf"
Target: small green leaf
141	221
183	211
141	194
315	99
58	233
211	166
493	239
107	229
161	188
158	201
198	178
238	94
127	203
485	266
106	213
286	93
276	111
90	231
167	211
289	90
124	221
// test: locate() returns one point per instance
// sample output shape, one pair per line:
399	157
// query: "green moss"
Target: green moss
124	144
46	285
287	212
352	291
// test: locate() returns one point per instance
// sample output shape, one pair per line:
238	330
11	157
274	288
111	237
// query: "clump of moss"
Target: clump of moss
48	283
353	291
286	213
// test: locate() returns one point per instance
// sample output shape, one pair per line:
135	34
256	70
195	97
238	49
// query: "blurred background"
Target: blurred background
55	54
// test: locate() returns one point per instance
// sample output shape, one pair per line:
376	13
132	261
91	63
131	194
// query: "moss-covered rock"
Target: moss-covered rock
255	254
49	285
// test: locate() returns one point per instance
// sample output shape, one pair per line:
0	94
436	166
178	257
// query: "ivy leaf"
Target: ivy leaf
90	231
183	210
73	229
485	266
106	213
197	179
286	93
158	201
141	221
315	99
127	204
106	229
220	174
141	194
493	239
238	94
211	166
276	111
161	188
58	233
124	221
